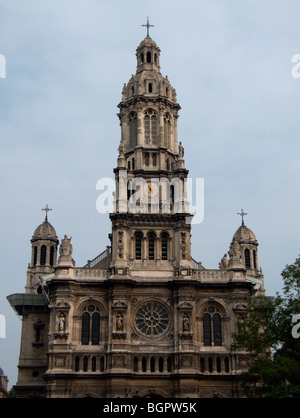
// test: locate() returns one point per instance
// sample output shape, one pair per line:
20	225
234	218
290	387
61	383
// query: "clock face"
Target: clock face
151	190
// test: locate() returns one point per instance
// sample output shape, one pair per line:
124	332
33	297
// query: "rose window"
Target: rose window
152	319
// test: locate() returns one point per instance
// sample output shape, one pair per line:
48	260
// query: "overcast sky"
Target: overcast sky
66	62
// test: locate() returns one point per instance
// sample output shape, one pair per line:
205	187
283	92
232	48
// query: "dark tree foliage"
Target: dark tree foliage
266	332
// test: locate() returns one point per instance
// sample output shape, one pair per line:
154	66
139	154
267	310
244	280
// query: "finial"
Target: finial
46	209
148	26
242	213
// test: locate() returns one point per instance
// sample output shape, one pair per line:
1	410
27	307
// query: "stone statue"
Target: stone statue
119	322
61	323
181	150
121	150
224	262
186	323
235	249
66	248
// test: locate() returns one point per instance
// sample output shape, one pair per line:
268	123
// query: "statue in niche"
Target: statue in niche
119	322
224	262
61	323
186	323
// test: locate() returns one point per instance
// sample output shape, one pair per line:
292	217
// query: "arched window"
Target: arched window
85	363
95	328
52	256
85	329
94	364
132	130
217	329
164	246
154	159
144	364
151	246
226	364
147	159
77	364
207	329
161	364
90	326
172	196
43	255
212	327
150	125
152	364
167	130
254	259
138	245
148	57
202	365
101	364
247	258
135	364
219	368
155	58
35	255
210	365
150	88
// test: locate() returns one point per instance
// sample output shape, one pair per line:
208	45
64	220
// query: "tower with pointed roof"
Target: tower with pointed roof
151	210
143	318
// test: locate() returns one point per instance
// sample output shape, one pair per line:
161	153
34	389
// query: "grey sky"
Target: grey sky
67	61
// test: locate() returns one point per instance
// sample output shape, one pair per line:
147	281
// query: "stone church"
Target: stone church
143	318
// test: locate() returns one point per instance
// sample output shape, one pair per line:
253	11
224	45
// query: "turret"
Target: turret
44	244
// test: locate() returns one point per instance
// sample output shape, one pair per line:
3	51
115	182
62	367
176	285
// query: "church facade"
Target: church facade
142	319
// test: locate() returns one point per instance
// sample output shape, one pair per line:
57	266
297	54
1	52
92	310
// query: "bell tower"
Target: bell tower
151	220
44	244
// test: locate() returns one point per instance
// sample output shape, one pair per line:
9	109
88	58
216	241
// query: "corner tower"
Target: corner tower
151	220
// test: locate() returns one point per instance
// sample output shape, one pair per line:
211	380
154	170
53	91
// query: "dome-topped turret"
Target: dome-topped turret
248	244
244	234
44	245
45	231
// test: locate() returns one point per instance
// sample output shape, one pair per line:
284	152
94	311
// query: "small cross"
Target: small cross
46	209
148	26
242	213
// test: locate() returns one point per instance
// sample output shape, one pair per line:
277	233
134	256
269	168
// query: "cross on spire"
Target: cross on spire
148	26
46	209
242	214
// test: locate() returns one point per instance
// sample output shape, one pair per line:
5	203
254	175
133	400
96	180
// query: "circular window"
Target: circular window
152	319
